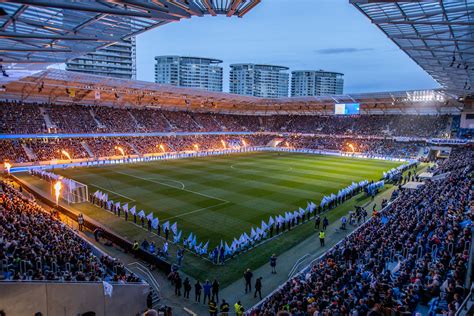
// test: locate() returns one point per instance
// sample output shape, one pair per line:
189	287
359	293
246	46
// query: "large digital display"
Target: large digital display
346	108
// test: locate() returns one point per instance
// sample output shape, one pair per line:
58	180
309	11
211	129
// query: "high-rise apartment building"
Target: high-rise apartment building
305	83
264	81
118	60
191	72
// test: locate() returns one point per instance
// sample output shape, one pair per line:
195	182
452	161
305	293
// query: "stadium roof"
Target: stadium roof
52	31
437	35
59	86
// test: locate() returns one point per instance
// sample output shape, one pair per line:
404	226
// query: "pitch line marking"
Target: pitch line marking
171	186
108	190
195	211
179	182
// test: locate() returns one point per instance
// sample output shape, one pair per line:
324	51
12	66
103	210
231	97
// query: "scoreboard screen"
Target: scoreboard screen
347	108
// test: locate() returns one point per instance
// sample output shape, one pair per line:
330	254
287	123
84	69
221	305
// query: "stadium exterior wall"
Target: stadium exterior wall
68	298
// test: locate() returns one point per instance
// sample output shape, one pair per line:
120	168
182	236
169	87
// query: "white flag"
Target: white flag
108	288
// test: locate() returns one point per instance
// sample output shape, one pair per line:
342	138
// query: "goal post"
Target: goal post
73	191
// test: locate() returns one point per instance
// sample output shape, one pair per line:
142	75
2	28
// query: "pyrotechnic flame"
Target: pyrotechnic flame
57	190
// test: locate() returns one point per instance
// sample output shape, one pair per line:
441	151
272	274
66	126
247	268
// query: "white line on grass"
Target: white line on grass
171	186
108	190
179	182
194	211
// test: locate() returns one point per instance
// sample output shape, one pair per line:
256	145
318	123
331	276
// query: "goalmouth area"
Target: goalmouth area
220	197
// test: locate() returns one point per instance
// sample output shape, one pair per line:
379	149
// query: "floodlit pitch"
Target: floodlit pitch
218	198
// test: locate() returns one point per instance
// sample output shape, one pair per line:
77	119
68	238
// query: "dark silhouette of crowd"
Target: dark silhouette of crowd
34	245
412	255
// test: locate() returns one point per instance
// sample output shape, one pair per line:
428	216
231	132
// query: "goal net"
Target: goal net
72	191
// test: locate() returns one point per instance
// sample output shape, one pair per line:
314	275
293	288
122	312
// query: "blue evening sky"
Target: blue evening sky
300	34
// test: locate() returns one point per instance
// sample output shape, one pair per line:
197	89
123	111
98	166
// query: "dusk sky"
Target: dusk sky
301	34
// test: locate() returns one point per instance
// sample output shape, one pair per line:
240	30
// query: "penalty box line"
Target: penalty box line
172	186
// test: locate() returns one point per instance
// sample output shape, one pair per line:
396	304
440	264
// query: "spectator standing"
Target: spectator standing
322	237
273	262
178	283
212	308
197	292
215	290
248	280
187	288
317	222
325	223
258	288
80	221
207	291
224	308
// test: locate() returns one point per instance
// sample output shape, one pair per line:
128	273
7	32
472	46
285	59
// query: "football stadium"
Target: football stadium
279	197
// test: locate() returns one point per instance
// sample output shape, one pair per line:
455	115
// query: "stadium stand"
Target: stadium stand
402	261
36	246
78	119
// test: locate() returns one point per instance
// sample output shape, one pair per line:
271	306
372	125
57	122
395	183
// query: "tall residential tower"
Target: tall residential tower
191	72
118	60
307	83
264	81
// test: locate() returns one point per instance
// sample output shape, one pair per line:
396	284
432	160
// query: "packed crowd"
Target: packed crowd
34	245
19	118
375	147
413	254
79	148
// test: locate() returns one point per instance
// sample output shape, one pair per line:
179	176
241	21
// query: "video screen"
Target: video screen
347	108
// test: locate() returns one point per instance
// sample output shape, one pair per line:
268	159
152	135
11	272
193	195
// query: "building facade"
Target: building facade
307	83
264	81
118	60
190	72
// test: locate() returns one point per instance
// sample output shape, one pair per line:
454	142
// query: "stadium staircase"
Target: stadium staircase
135	149
47	120
99	124
171	126
196	122
137	124
88	150
29	152
222	127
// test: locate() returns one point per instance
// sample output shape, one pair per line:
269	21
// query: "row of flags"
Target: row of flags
255	235
398	170
67	183
104	197
343	192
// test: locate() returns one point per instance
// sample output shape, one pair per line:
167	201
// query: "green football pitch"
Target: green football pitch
220	197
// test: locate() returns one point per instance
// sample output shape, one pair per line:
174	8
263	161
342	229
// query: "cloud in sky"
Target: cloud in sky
342	50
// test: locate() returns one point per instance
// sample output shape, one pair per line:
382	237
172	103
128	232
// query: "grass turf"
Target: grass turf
220	197
305	176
